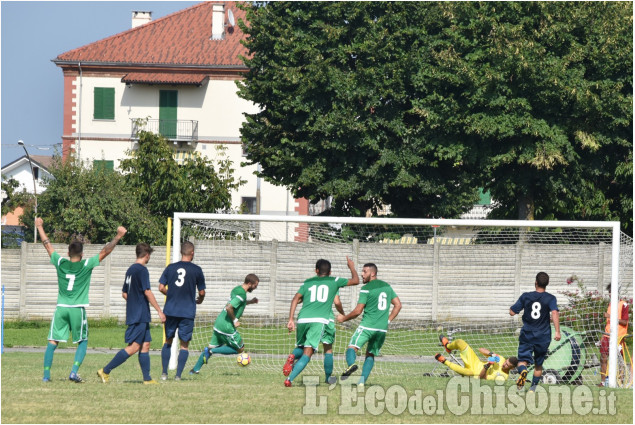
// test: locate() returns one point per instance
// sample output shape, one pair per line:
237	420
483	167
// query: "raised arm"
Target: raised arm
354	280
39	225
111	245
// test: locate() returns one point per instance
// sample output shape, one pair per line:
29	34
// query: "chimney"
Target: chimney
218	21
140	18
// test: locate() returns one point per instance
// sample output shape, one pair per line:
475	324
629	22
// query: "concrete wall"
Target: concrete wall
436	283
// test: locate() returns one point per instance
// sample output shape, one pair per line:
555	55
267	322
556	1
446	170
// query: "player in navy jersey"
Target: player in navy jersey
535	335
138	295
179	283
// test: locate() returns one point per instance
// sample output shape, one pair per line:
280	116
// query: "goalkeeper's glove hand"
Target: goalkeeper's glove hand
487	365
494	358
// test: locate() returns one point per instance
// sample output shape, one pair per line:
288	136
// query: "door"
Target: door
167	113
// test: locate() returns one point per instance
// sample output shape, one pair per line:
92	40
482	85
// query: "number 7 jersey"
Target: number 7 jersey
73	279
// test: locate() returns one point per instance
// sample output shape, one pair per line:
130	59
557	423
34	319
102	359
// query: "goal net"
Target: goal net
456	278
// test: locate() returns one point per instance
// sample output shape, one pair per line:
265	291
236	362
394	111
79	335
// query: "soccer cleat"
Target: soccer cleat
348	372
288	366
75	378
331	380
194	372
103	375
445	342
177	378
46	379
164	376
287	383
150	382
520	383
439	358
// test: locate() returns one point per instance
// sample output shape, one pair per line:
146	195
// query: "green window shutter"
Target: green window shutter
104	102
485	198
102	165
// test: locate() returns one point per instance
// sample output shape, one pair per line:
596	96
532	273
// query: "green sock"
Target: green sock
368	366
224	349
299	367
199	363
48	359
80	353
297	352
328	365
350	356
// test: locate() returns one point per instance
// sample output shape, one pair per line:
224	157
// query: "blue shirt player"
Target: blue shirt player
138	295
535	335
180	282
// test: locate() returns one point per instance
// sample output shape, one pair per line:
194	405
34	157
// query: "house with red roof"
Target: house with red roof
178	74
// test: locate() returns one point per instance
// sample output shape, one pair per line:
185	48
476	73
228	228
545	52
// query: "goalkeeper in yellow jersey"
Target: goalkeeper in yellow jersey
495	367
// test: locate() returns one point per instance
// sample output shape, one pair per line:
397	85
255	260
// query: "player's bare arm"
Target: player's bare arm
555	317
163	289
396	308
294	304
359	308
153	302
201	296
106	250
254	300
338	304
511	312
354	280
231	313
39	225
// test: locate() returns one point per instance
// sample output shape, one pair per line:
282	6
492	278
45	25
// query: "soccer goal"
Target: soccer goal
454	277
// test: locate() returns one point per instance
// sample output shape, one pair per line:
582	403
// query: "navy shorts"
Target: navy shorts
185	327
533	348
139	333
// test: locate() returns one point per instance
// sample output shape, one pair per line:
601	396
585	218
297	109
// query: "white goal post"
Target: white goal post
455	277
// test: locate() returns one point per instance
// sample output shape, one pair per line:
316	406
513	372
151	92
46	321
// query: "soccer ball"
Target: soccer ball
243	359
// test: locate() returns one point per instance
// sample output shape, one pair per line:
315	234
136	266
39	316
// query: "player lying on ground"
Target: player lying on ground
495	367
226	339
374	300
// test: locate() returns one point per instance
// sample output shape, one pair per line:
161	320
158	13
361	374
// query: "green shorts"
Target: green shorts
309	334
233	340
375	340
67	319
328	337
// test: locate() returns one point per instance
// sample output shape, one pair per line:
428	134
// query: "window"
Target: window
103	165
36	173
484	198
250	204
104	103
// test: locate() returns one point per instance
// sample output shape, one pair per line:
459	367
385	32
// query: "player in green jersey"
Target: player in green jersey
73	279
226	339
316	295
373	302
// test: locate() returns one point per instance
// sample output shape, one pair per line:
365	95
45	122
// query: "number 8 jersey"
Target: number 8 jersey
537	306
318	294
73	279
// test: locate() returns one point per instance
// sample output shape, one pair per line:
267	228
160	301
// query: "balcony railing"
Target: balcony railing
173	130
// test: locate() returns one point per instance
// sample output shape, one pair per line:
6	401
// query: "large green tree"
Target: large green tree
82	202
164	186
417	104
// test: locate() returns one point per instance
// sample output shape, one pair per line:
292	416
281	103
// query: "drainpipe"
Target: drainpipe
79	113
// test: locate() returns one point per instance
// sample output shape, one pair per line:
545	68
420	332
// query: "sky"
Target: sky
32	33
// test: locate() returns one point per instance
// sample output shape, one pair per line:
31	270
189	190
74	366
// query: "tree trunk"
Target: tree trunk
526	207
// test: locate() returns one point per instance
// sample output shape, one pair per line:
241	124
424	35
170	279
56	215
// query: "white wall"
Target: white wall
22	173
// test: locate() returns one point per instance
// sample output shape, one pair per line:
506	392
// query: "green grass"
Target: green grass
234	395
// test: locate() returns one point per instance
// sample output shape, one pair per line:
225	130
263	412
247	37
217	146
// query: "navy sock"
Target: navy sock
165	357
536	380
144	362
119	358
183	354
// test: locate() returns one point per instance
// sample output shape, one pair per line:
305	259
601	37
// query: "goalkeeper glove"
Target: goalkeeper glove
487	365
494	358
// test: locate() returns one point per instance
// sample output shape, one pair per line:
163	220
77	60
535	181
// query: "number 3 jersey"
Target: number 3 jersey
537	307
183	279
318	294
376	295
73	279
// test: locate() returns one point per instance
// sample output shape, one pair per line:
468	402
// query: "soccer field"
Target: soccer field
250	395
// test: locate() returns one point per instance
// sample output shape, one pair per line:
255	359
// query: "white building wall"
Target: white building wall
215	105
22	174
